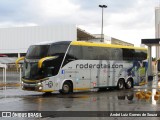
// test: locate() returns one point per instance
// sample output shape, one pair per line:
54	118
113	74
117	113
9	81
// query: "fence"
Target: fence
9	73
4	67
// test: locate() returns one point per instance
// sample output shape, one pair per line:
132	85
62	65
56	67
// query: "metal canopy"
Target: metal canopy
83	35
152	42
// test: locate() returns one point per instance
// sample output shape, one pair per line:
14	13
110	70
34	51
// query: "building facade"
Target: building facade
157	29
15	41
18	39
110	40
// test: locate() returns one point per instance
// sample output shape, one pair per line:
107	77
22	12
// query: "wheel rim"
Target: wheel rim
129	84
121	85
66	88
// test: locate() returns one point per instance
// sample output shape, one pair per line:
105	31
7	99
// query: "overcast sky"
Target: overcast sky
128	20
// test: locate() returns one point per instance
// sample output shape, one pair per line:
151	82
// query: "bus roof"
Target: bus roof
84	43
52	42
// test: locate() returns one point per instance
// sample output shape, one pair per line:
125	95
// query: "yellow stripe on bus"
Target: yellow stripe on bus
94	44
33	81
81	88
46	90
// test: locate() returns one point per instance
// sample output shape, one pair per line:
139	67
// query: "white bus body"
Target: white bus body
81	66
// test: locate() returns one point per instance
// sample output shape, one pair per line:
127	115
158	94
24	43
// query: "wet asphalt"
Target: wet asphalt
15	99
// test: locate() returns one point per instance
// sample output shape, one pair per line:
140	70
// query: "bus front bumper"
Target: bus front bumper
32	86
35	85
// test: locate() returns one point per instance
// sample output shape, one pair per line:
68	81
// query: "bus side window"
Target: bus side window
116	54
74	53
70	54
57	50
106	53
87	53
95	53
128	54
139	54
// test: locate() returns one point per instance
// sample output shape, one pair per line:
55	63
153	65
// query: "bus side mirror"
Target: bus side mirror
19	59
41	61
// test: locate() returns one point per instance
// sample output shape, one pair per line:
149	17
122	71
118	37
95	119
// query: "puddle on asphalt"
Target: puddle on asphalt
5	88
144	96
128	96
73	96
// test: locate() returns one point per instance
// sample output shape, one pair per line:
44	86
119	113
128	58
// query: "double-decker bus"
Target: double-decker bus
69	66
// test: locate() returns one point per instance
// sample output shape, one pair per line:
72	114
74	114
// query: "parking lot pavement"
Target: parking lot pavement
140	98
14	99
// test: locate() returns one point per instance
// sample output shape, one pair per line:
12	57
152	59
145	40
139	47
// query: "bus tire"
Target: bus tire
130	96
129	84
47	94
120	84
66	88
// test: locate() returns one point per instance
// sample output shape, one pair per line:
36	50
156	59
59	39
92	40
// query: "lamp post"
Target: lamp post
102	37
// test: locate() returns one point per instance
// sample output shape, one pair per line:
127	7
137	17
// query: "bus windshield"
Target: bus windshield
50	67
37	51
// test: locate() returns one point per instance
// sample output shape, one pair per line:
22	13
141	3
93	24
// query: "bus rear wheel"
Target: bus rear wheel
120	84
129	84
66	88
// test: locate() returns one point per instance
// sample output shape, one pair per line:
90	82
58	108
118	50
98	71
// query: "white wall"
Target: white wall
18	39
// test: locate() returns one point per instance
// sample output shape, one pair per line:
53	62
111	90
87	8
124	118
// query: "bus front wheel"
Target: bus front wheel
120	84
66	88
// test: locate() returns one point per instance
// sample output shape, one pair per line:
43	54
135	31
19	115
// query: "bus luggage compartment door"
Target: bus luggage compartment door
83	79
99	77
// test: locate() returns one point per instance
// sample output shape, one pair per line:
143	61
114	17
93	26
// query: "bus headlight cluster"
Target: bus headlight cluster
22	83
40	88
158	83
39	84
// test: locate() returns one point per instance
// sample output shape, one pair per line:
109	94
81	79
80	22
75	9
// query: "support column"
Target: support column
5	71
20	69
150	74
3	75
149	61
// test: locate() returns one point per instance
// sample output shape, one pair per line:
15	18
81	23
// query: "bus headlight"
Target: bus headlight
158	83
22	83
40	88
39	84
